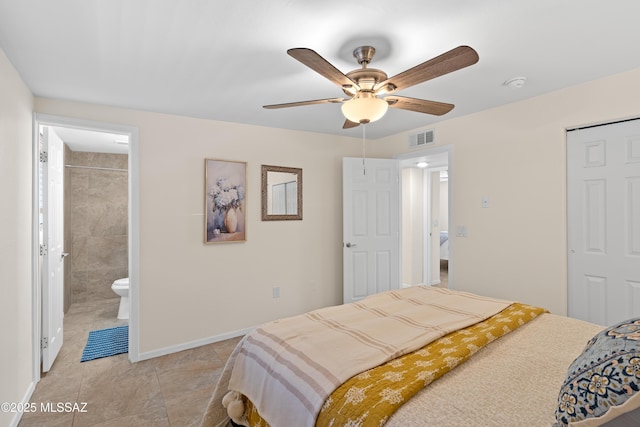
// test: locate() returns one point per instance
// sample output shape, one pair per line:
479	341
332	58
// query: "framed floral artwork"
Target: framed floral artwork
225	201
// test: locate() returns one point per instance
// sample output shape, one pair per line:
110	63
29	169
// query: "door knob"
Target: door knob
63	254
350	245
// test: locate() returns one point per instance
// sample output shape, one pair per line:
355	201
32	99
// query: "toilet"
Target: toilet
121	288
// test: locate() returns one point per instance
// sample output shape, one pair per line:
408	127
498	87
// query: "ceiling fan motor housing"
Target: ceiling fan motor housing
365	78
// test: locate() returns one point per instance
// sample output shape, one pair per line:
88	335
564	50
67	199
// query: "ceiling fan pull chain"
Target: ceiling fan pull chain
364	169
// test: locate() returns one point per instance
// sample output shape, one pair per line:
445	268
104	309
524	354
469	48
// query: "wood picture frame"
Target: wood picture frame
281	193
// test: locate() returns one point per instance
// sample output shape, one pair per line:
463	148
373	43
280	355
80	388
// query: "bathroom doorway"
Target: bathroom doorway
100	236
95	214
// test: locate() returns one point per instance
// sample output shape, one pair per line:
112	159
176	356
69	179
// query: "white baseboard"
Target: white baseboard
406	285
193	344
25	401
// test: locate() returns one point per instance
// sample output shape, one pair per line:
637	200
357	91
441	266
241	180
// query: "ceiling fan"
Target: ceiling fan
371	92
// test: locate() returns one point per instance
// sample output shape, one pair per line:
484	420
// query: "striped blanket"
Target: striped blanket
300	361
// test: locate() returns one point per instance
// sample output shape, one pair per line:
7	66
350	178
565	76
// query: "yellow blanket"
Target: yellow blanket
370	398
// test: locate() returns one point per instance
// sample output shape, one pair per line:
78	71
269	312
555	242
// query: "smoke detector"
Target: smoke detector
516	82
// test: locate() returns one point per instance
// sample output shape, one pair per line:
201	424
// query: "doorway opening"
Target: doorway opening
425	218
96	213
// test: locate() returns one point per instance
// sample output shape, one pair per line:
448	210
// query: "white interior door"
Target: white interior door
371	225
603	192
53	259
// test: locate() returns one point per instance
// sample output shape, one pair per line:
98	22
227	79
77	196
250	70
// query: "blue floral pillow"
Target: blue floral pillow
604	376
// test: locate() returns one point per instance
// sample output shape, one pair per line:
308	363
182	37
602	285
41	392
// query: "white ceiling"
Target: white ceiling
223	60
92	141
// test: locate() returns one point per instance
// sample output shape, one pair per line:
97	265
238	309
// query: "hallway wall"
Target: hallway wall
412	226
16	222
98	223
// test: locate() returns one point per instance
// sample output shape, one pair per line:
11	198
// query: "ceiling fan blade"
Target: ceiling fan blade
317	63
455	59
300	103
348	124
419	105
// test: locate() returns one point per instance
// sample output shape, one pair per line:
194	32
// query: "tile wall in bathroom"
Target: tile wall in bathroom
96	219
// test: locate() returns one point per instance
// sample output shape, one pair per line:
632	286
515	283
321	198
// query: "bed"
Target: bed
490	362
444	245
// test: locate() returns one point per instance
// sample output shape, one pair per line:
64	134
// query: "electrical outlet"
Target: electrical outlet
461	231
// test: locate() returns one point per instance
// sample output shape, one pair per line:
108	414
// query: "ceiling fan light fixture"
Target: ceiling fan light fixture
364	108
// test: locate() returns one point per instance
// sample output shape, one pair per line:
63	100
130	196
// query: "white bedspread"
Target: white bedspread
514	381
301	360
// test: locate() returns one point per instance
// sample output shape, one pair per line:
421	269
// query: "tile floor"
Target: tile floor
172	390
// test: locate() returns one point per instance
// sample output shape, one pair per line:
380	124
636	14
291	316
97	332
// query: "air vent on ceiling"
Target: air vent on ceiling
420	139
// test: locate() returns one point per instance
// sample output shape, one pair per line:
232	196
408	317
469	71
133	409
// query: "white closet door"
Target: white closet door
603	193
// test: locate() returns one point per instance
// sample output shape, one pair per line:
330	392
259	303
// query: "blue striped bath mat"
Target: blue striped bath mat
106	342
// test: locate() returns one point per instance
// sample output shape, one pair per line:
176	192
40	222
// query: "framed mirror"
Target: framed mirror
281	193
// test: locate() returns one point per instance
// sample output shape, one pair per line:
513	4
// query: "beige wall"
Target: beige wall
516	249
190	291
412	226
516	155
16	106
434	249
443	216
